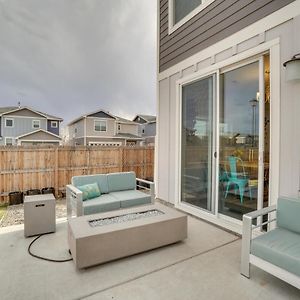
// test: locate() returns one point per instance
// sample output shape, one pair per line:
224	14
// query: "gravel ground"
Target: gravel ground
15	213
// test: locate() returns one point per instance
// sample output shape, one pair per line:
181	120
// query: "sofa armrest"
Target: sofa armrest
151	187
247	235
258	213
74	201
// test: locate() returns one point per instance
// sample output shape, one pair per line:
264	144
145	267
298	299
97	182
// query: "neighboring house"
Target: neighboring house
100	128
226	102
147	128
26	126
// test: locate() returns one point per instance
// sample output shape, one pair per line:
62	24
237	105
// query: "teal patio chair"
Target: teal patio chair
239	180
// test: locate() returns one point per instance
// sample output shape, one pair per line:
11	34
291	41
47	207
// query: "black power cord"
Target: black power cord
45	258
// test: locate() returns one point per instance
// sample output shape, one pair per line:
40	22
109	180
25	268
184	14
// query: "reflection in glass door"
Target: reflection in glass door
197	143
241	139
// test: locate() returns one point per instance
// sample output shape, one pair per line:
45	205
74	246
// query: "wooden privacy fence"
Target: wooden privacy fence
24	168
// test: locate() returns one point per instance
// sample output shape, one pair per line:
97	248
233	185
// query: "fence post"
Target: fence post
56	185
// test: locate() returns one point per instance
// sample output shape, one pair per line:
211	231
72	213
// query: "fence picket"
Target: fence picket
24	168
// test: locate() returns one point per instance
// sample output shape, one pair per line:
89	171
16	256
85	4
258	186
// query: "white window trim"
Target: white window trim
172	26
13	122
39	121
54	124
100	126
12	140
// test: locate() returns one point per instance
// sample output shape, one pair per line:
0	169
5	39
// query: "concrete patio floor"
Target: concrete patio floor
205	266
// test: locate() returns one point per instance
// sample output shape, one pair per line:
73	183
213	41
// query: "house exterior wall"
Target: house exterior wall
280	28
21	126
80	129
217	21
23	119
39	136
52	129
129	128
25	113
110	127
149	130
77	141
95	136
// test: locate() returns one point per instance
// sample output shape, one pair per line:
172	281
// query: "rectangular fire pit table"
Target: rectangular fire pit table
98	238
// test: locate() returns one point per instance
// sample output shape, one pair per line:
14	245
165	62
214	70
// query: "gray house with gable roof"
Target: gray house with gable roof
101	128
26	126
147	127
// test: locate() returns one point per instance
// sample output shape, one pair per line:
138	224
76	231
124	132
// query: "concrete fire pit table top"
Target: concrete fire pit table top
103	237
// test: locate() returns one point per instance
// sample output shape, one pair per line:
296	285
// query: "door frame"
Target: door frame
273	49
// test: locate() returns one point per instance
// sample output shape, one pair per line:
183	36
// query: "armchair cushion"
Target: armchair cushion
288	214
101	179
89	191
100	204
121	181
131	198
280	247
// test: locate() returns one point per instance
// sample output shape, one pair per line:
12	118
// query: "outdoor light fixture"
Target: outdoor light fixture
293	68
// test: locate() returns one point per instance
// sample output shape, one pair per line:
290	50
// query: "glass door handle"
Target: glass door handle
261	157
215	154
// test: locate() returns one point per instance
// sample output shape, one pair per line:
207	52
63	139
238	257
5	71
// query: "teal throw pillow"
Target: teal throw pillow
89	191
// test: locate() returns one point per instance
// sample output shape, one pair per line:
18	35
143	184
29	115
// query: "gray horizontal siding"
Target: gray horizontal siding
217	21
150	130
40	136
52	129
21	126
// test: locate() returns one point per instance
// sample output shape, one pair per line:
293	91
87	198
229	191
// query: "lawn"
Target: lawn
2	211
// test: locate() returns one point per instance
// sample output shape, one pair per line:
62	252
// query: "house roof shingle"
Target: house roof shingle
4	110
147	118
118	119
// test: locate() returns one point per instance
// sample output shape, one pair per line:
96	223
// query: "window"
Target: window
75	130
182	8
143	131
9	122
36	123
8	141
119	127
180	11
54	124
100	126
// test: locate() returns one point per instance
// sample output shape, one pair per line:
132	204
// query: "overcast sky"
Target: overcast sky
69	57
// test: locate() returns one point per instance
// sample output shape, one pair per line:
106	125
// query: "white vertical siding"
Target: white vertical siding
172	135
163	141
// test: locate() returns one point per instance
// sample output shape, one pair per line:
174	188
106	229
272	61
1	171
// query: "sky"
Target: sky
71	57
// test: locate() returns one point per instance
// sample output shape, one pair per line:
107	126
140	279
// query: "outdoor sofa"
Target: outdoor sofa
117	190
278	250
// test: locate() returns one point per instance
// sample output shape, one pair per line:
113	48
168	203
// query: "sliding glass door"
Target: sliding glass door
239	140
225	126
197	143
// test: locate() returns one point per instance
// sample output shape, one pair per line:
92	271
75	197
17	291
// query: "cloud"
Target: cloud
74	56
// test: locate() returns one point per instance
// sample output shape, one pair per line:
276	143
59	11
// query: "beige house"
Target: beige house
101	128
